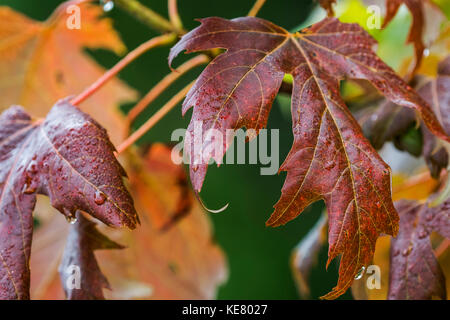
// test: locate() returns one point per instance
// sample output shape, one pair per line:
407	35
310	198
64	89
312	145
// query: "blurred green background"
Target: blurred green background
258	256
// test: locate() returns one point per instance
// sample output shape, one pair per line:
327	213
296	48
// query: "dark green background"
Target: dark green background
258	256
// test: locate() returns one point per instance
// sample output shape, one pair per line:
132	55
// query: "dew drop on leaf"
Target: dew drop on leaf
99	197
108	5
27	189
360	273
72	219
32	167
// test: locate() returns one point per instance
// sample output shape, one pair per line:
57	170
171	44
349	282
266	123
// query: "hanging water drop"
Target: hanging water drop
32	167
108	5
28	189
72	219
360	273
99	197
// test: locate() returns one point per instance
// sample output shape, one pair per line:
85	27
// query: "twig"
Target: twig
130	57
174	16
442	247
61	10
146	15
256	7
154	119
163	85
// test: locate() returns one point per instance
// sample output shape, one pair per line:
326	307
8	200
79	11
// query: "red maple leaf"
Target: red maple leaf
330	158
68	157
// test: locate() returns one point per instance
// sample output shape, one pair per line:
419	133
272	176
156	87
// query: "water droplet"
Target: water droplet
360	273
108	5
99	197
27	189
422	234
32	167
329	165
72	219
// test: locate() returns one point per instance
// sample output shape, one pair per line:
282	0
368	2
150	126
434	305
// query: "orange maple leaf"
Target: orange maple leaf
42	62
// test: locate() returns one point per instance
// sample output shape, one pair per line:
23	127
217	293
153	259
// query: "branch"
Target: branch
164	84
256	7
147	16
442	247
154	119
130	57
174	16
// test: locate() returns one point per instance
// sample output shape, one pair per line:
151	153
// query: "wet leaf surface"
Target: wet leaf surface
237	90
415	273
66	156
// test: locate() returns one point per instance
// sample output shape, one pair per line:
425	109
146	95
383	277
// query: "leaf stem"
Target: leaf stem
154	119
256	7
164	84
130	57
442	247
147	15
174	16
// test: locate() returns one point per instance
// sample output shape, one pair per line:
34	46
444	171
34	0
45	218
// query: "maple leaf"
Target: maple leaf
437	90
42	62
181	259
391	122
418	188
427	19
237	90
416	7
415	33
328	6
68	157
83	239
415	273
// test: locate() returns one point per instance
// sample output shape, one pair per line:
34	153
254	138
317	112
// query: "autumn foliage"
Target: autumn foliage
81	156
